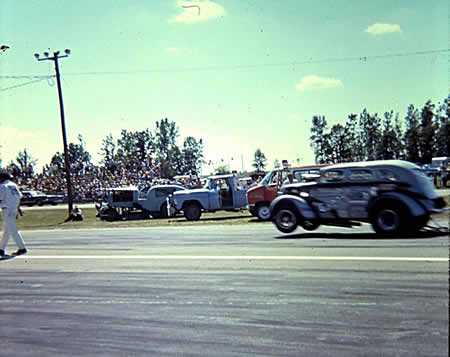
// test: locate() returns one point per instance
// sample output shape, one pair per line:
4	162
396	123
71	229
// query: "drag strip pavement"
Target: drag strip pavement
225	291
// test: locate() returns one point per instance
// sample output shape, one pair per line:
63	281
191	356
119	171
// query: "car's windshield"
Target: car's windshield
267	180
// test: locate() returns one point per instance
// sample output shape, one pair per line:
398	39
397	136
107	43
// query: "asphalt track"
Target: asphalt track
225	291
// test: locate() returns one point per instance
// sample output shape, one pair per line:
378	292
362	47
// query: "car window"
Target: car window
332	176
361	175
161	192
386	174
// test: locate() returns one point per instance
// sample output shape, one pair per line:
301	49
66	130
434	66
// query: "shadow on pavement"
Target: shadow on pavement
359	236
7	257
213	219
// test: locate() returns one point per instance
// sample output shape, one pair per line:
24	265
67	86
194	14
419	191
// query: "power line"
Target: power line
362	58
264	65
22	84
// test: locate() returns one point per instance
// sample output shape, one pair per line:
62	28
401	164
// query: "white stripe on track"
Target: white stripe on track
234	257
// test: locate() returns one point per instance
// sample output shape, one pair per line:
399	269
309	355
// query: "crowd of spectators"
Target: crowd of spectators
89	185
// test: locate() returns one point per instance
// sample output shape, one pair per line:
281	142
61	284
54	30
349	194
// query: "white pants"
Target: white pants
10	229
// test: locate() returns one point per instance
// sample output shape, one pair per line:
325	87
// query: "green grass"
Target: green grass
35	219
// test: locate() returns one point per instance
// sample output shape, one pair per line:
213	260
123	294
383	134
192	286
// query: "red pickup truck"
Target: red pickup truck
259	197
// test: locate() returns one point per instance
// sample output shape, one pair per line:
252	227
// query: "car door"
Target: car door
328	195
357	193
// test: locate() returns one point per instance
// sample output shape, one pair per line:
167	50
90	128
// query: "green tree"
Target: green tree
192	154
390	145
412	135
427	139
222	170
108	153
370	135
259	161
25	164
79	158
165	141
443	131
318	143
338	148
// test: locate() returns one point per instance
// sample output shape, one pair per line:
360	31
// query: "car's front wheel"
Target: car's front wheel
389	219
192	212
286	220
263	212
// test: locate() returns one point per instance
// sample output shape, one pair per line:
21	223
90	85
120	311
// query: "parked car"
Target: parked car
32	198
221	192
130	203
394	196
261	196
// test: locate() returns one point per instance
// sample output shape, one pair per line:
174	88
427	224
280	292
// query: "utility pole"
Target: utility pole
56	56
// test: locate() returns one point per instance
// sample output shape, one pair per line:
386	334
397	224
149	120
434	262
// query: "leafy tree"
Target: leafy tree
222	170
260	160
370	135
108	153
390	145
318	143
427	133
338	146
24	165
412	135
79	158
192	154
165	142
443	131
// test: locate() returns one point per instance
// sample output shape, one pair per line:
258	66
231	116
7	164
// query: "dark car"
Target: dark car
32	198
394	196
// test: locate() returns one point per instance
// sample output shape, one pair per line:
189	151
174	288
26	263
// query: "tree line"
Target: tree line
155	150
423	133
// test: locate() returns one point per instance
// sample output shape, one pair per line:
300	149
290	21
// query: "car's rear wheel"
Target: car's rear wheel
389	219
192	212
263	212
286	220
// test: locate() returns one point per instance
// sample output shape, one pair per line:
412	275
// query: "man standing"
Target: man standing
9	203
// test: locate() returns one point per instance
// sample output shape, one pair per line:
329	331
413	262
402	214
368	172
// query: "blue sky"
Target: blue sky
194	49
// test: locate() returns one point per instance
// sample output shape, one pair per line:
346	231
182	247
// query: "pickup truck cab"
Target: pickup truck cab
221	192
393	196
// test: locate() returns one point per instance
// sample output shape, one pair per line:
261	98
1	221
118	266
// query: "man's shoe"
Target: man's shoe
20	252
2	253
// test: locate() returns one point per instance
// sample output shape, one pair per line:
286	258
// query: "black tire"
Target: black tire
389	218
192	211
286	220
263	212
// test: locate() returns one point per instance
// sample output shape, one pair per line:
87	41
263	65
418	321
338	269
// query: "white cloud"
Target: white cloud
198	11
383	28
313	82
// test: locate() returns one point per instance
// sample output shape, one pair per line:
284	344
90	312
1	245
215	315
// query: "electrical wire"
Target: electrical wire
364	58
22	84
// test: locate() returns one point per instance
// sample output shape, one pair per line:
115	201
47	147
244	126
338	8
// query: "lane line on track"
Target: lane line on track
232	257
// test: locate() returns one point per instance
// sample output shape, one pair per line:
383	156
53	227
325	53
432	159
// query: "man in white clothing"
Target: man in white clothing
9	203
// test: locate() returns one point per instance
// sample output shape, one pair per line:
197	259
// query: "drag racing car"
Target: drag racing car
393	196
